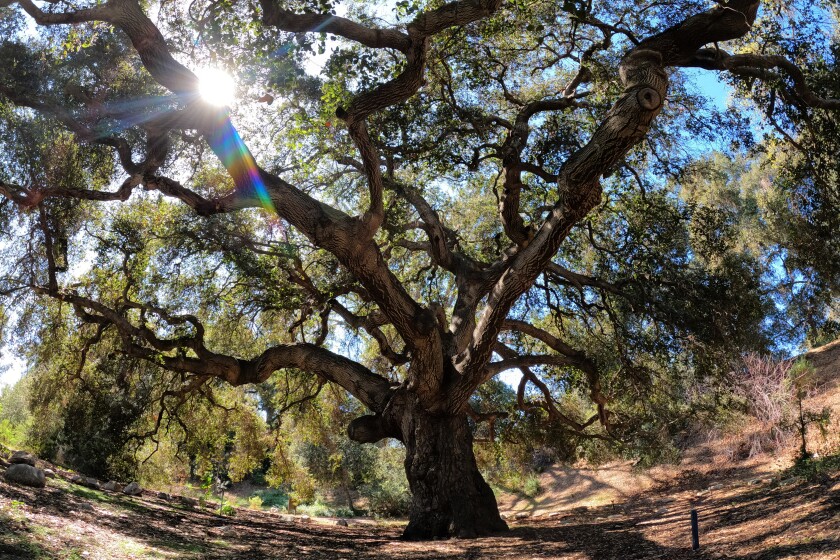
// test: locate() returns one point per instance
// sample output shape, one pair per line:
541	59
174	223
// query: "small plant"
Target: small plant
531	488
255	502
801	374
316	509
227	509
272	497
815	470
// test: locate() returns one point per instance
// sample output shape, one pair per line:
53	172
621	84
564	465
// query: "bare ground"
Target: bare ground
755	519
756	509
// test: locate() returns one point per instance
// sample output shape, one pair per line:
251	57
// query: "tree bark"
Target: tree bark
449	495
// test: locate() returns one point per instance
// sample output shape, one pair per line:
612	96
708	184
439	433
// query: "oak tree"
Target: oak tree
447	192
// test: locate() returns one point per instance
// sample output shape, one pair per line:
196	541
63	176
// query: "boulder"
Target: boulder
22	458
49	473
85	481
110	486
522	515
187	501
342	523
22	473
133	489
164	496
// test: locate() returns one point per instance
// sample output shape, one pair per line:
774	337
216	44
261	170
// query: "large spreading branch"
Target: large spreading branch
642	71
761	66
498	286
189	354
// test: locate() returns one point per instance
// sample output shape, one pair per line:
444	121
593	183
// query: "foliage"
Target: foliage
531	488
815	470
774	392
272	498
15	417
405	205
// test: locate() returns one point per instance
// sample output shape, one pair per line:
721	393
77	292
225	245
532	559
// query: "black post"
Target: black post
695	531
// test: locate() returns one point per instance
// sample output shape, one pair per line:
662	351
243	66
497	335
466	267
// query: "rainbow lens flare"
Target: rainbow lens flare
237	159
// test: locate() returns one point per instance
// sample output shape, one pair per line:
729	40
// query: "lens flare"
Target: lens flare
216	86
237	159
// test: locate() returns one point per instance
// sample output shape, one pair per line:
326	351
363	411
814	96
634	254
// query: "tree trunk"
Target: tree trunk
449	495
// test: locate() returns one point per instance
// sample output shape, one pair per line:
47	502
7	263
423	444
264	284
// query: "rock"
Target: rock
304	519
133	489
22	458
49	473
554	514
22	473
112	486
90	482
505	515
164	496
342	523
522	515
187	501
85	481
714	487
224	531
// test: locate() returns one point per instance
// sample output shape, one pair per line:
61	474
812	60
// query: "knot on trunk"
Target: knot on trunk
641	67
649	99
369	429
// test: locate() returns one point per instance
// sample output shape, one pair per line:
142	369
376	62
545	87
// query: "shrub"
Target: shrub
765	386
255	502
388	498
272	497
317	509
531	488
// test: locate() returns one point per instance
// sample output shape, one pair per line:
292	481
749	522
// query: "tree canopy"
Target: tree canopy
407	200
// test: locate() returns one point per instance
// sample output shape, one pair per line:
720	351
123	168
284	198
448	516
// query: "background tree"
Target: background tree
470	188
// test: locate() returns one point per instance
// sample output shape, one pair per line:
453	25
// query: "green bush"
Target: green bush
227	509
317	509
531	488
388	498
272	497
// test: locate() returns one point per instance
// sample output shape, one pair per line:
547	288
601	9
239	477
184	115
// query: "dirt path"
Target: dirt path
759	521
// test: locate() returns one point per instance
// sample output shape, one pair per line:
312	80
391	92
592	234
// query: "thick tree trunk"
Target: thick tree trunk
449	495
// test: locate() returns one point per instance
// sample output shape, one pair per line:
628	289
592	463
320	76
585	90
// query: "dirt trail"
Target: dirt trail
758	520
750	510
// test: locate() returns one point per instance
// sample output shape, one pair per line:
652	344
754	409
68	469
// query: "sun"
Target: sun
216	86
